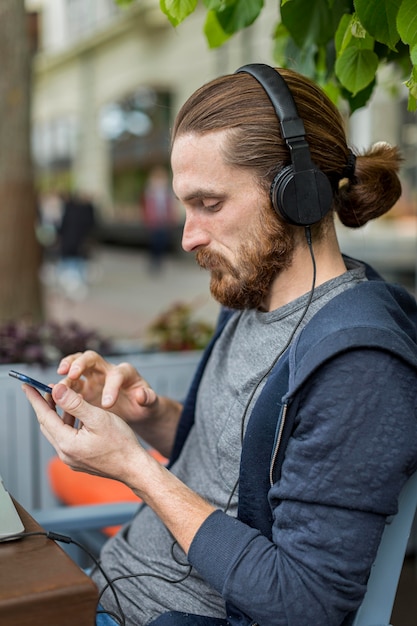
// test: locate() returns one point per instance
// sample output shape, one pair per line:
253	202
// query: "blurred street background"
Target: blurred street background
124	295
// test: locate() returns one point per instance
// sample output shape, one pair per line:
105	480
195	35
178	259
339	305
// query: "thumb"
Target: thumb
70	401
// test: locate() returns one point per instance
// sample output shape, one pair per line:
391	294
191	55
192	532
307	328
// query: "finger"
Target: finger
124	375
146	396
65	363
77	385
88	360
116	377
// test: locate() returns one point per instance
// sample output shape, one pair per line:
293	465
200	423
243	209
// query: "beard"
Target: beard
246	283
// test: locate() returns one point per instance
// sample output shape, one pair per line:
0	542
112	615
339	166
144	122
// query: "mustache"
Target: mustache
214	262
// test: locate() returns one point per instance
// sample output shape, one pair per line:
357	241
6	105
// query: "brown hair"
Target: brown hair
239	104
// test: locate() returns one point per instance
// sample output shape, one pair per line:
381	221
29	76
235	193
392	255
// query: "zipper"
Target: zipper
276	447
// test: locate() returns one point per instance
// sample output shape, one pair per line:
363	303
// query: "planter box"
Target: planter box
24	452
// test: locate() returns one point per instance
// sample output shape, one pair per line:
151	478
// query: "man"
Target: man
299	429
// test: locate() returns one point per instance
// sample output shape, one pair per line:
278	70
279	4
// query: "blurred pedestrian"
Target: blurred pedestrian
76	239
158	214
49	220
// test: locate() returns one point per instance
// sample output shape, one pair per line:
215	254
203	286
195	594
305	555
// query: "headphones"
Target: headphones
300	193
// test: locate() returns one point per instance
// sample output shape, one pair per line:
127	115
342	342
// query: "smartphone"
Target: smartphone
31	381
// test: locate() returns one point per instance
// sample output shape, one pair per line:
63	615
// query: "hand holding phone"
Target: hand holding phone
31	381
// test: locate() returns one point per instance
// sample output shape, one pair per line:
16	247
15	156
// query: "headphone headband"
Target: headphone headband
301	193
281	98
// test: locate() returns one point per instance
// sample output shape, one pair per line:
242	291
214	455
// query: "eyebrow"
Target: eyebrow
199	194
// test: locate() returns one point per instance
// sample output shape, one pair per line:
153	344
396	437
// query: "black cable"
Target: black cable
288	342
121	619
97	564
307	231
173	581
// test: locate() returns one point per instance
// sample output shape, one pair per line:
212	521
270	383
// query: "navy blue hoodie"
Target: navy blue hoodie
329	444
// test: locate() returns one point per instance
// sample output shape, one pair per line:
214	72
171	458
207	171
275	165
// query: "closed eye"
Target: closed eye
205	200
212	206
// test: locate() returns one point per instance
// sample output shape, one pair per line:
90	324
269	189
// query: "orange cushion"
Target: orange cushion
78	488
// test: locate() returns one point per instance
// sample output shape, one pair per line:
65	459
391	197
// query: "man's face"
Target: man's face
229	224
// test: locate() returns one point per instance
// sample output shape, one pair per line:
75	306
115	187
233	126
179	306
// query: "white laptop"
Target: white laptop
10	522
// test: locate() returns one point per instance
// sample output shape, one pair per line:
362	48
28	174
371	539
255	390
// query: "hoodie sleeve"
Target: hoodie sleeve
354	444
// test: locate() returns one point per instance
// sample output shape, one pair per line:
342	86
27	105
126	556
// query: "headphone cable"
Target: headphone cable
307	231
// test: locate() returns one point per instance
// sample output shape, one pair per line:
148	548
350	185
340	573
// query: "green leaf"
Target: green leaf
379	18
356	68
412	103
177	10
214	33
312	21
350	32
412	90
407	22
235	16
364	41
413	55
357	29
412	83
343	34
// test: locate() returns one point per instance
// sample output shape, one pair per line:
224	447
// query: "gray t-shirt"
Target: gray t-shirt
160	577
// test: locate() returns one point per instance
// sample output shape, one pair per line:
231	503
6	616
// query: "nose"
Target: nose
193	235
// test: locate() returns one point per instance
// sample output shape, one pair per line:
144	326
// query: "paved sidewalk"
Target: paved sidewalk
124	296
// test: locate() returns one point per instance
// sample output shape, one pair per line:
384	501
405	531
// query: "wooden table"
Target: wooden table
40	585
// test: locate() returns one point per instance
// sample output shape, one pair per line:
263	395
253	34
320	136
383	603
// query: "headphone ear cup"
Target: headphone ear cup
278	186
301	198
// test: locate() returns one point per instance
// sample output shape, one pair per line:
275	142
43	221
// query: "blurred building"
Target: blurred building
107	83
